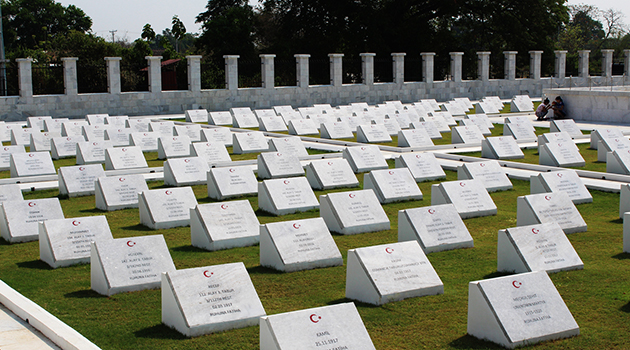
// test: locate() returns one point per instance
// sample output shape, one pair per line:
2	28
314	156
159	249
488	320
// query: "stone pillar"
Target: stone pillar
336	65
231	71
194	73
456	66
398	66
626	63
367	67
70	84
25	76
301	70
113	75
583	63
155	73
427	66
267	71
607	62
483	65
535	64
509	65
561	64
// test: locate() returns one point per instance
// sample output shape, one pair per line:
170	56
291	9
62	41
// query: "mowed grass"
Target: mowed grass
597	296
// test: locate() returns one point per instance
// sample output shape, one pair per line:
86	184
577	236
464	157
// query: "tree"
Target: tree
148	33
178	30
30	24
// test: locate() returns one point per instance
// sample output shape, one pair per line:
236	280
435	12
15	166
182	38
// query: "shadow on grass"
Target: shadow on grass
616	221
261	270
470	342
35	265
260	212
625	308
497	274
84	294
621	256
138	227
159	331
93	210
356	302
189	249
4	242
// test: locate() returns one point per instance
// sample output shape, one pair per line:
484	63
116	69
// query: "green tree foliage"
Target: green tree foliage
178	30
31	24
148	33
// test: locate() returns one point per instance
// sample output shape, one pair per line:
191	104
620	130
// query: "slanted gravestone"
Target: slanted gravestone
129	264
518	310
10	192
298	245
231	182
609	144
373	133
117	122
37	122
436	228
65	242
5	155
390	272
520	132
566	181
365	158
166	208
353	212
19	218
174	146
288	145
414	138
94	132
286	196
96	119
210	299
31	164
210	152
274	165
138	124
598	134
557	137
482	126
560	154
489	172
272	124
542	247
429	127
501	147
92	152
325	174
567	125
302	127
41	141
466	134
217	135
147	141
549	207
117	158
76	181
22	136
185	171
220	118
335	130
197	116
65	146
73	128
470	197
215	226
119	192
6	130
164	128
618	162
119	137
423	166
192	131
392	185
249	142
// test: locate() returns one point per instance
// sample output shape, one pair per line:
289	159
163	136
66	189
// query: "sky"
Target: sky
128	17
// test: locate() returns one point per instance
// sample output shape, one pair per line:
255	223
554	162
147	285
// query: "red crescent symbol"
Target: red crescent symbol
168	193
208	144
279	154
249	134
95	126
94	143
389	250
500	138
535	231
616	140
548	198
119	130
391	172
330	163
186	160
413	131
121	179
286	182
208	274
363	148
517	284
32	204
124	149
296	226
559	174
68	138
559	145
314	318
418	156
131	243
224	206
76	223
31	155
431	211
6	148
482	164
174	138
145	134
352	195
81	168
232	170
462	184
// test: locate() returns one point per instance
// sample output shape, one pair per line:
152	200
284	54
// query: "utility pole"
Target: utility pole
3	68
113	32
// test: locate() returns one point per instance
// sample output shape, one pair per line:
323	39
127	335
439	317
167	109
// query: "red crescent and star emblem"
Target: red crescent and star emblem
330	163
286	182
391	172
389	250
121	179
186	160
208	274
232	170
559	174
124	149
314	318
296	226
279	154
76	223
81	168
535	231
548	198
31	155
32	204
131	243
431	211
482	164
517	284
352	195
224	206
462	184
168	193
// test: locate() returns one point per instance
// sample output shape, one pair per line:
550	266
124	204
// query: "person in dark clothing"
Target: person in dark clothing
558	107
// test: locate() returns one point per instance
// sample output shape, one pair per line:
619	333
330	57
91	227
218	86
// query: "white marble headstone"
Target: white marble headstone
560	154
249	142
31	164
365	158
166	208
117	121
73	128
138	124
119	192
609	144
10	192
373	133
187	171
65	242
75	181
65	146
390	272
480	124
520	132
466	134
392	185
470	197
566	181
18	219
22	136
231	182
353	212
192	131
436	228
220	118
91	152
286	196
302	127
210	299
41	141
147	141
429	127
557	137
273	165
335	130
5	155
215	226
549	207
117	158
119	137
217	135
37	122
94	132
414	138
173	146
598	134
96	119
298	245
129	264
246	120
325	174
197	116
501	147
618	162
164	127
567	125
6	130
288	145
489	172
210	152
423	166
273	124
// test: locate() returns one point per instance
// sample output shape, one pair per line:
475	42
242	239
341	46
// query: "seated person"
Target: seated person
559	111
542	109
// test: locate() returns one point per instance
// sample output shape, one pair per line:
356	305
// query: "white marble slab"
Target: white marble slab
138	124
164	128
501	147
65	146
353	212
610	144
118	192
215	226
466	134
274	165
92	152
231	182
129	264
286	196
470	197
22	136
436	228
173	146
566	181
392	185
31	164
210	299
94	132
73	128
414	138
217	135
36	122
288	145
41	141
549	207
373	133
210	152
542	247
298	245
365	158
520	132
187	171
335	130
489	172
560	154
242	121
598	134
5	155
147	141
479	124
76	181
18	222
220	118
249	142
166	208
518	310
273	124
557	137
96	119
423	166
197	116
65	242
119	137
325	174
118	121
429	127
567	125
192	131
618	162
6	130
117	158
10	192
520	120
390	272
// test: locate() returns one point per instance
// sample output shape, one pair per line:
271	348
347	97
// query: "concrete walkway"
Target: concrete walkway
16	334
